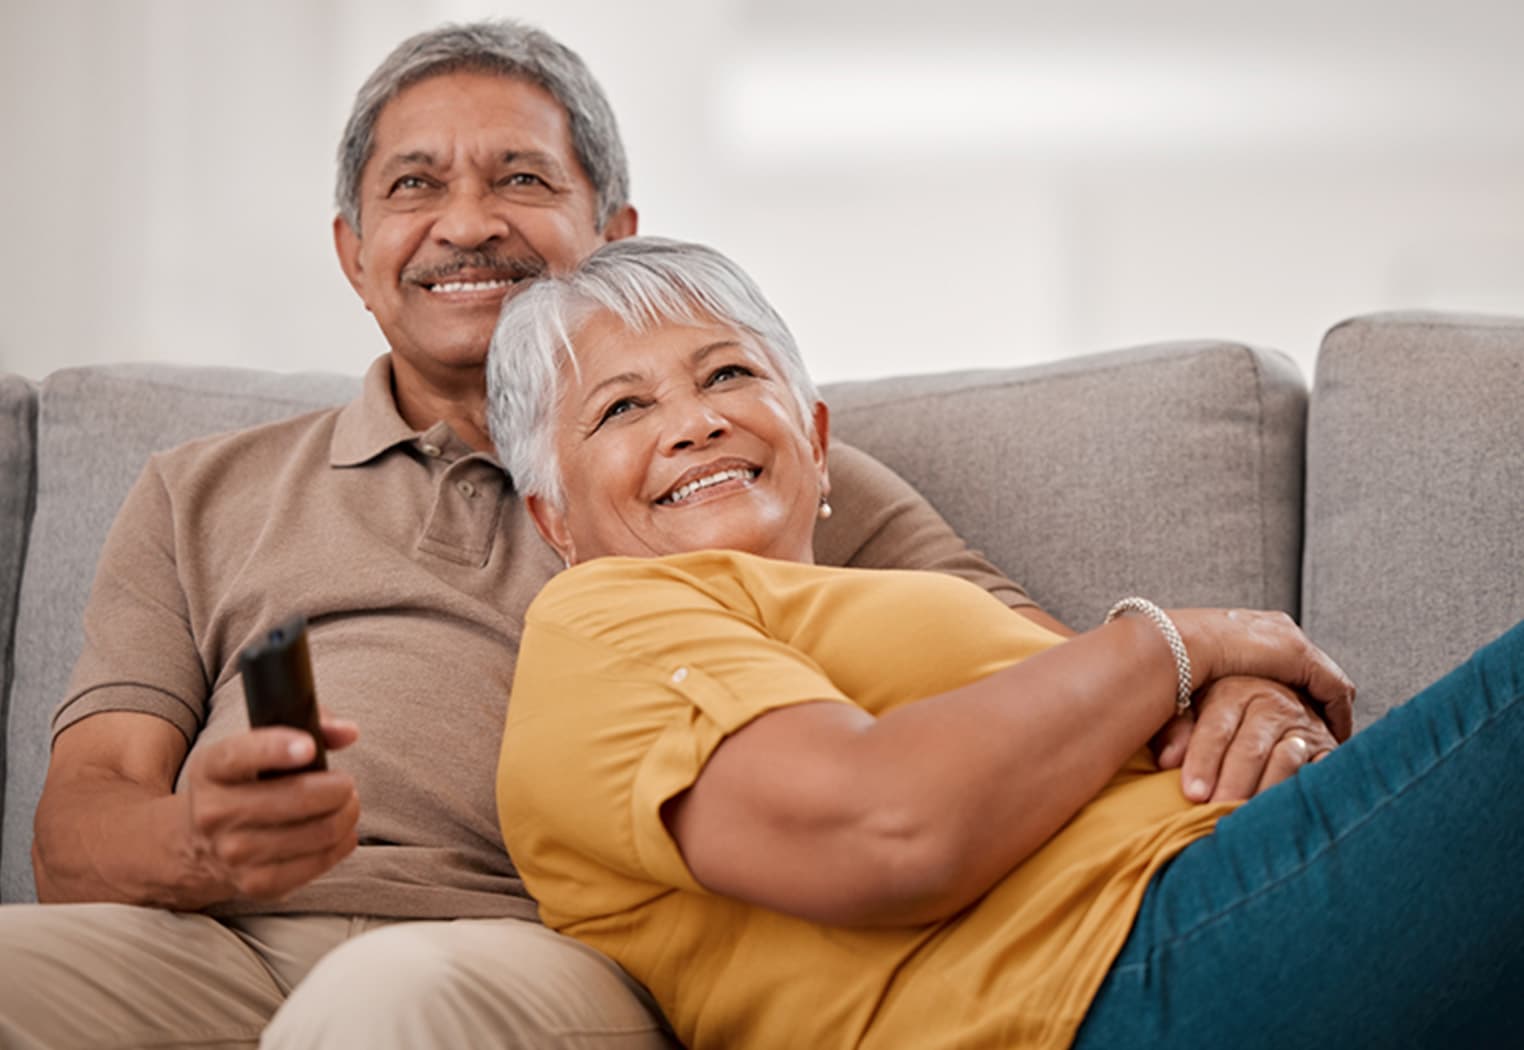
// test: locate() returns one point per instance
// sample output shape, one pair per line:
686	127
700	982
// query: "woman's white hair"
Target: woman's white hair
644	282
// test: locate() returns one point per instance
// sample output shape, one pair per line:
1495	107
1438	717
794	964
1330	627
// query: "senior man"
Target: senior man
373	904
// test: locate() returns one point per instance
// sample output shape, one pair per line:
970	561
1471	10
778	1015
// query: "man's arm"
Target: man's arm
110	826
881	522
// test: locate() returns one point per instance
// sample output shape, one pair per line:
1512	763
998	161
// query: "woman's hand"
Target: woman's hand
1245	735
1224	643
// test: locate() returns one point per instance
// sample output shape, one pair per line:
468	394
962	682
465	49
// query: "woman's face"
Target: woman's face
684	438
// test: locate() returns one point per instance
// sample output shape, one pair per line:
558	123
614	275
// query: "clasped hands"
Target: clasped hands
1247	732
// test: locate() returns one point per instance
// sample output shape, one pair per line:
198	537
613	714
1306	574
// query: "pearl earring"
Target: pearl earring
825	509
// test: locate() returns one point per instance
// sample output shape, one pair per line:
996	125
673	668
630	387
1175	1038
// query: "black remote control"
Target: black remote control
277	686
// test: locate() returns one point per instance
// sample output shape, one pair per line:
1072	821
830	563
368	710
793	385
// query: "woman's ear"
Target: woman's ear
550	520
821	444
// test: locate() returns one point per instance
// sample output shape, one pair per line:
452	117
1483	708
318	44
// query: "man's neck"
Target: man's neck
462	405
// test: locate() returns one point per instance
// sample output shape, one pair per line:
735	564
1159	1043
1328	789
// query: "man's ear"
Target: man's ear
346	242
551	523
821	445
624	223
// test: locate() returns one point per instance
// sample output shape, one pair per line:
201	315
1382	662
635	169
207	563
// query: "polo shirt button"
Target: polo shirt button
679	674
467	489
430	450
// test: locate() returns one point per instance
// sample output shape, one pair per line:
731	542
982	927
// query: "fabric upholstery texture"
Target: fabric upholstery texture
1172	471
96	428
18	435
1415	497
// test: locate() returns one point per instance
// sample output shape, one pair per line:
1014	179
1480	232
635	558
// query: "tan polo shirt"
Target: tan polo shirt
414	563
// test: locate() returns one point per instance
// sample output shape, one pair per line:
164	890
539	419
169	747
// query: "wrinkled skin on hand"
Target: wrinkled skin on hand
1268	703
1242	736
262	839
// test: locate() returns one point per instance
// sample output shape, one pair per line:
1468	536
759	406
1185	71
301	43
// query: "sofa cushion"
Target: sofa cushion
18	432
96	427
1415	496
1171	471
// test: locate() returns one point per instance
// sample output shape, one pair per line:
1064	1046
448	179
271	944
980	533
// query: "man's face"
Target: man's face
472	187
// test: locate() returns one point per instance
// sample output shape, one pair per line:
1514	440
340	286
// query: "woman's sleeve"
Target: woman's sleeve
625	685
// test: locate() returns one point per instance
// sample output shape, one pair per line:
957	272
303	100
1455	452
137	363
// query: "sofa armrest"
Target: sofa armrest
18	479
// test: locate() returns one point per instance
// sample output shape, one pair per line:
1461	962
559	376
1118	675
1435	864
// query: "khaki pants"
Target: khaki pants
109	975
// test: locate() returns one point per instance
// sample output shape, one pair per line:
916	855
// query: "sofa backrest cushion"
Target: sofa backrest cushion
1172	471
96	428
1415	497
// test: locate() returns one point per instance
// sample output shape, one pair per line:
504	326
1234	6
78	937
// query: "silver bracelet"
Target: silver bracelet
1171	634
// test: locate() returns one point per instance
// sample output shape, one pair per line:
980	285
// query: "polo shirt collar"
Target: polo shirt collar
370	425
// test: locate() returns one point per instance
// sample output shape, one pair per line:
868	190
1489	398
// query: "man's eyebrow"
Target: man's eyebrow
412	158
537	158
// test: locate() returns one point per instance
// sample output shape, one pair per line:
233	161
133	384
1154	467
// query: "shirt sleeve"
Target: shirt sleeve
881	522
138	651
628	678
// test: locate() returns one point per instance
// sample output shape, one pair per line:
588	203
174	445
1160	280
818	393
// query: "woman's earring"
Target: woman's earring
825	508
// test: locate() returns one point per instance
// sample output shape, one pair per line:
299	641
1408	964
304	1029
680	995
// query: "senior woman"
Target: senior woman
819	807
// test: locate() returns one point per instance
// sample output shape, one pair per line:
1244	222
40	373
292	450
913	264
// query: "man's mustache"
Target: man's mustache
509	267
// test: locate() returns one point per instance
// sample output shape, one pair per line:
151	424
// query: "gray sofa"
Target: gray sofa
1383	506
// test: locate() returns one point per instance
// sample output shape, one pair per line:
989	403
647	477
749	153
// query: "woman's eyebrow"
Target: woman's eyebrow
702	352
624	378
621	378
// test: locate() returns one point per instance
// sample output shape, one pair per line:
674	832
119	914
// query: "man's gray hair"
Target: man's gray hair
644	282
510	49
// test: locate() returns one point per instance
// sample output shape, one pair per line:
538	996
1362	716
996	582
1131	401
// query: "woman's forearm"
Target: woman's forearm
984	774
823	811
828	813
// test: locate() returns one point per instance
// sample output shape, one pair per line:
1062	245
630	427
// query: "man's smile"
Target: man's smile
494	284
475	276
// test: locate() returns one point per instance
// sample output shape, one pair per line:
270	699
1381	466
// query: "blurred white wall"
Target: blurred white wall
918	186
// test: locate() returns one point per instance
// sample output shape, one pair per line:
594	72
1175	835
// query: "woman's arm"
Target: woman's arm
825	812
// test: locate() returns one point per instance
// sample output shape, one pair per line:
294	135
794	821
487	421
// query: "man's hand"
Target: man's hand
1245	735
265	838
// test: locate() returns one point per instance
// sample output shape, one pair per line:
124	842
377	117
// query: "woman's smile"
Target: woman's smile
709	482
678	438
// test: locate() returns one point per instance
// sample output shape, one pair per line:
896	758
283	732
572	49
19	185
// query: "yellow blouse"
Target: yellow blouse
632	671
